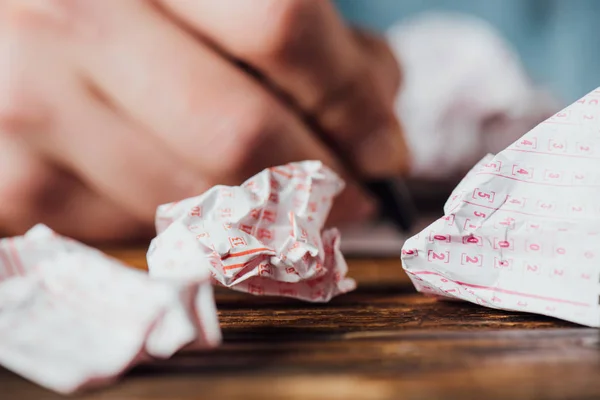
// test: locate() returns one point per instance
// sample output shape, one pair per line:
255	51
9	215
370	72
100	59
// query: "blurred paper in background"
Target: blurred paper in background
464	94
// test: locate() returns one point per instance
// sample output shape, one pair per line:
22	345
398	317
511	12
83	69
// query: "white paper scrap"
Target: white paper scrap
264	237
71	317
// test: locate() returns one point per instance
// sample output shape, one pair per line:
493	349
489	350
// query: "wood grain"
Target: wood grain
383	341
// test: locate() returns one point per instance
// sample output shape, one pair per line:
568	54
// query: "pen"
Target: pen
395	202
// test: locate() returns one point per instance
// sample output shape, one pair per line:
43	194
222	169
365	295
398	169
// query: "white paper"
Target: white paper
264	237
479	101
71	317
522	230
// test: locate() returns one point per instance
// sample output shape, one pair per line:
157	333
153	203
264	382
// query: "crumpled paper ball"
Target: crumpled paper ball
264	237
72	317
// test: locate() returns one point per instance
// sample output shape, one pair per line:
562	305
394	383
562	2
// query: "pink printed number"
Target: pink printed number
226	192
265	234
274	184
449	219
561	251
246	228
443	256
585	276
196	212
578	178
503	244
506	223
503	263
439	238
470	225
255	213
483	195
576	209
556	146
545	206
584	148
411	252
558	272
237	241
522	172
562	114
274	198
527	143
515	201
532	247
553	176
270	216
495	166
475	260
473	240
250	185
264	269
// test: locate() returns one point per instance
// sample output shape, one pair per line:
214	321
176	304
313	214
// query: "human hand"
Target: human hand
110	108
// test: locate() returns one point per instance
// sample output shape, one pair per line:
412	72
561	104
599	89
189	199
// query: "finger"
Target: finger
80	132
114	157
304	48
32	191
201	97
190	98
210	114
386	70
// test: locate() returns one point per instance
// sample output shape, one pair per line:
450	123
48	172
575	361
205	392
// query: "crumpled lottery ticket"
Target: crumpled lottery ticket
263	237
522	230
71	317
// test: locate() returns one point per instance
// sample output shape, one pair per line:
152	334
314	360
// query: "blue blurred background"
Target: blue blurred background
557	40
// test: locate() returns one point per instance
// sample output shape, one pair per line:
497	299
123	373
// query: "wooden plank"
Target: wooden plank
383	341
437	364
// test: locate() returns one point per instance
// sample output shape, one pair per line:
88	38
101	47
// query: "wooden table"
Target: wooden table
383	341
